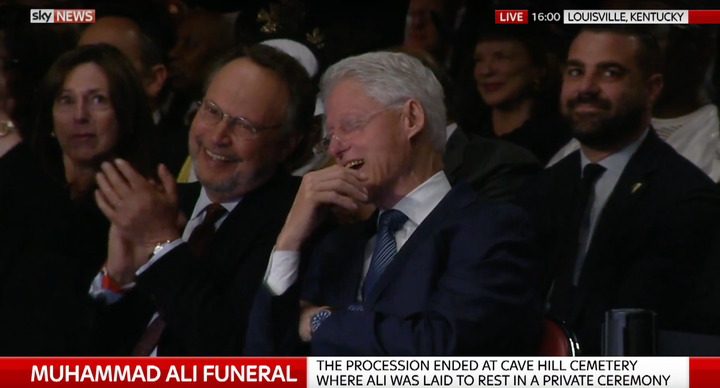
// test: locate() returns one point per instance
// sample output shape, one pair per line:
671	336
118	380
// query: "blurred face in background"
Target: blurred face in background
126	35
120	32
420	31
201	37
84	118
504	72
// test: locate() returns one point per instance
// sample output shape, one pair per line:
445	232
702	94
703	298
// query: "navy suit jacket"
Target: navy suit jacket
649	246
463	284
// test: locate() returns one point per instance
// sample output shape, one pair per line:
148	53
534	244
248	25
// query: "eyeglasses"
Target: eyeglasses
240	127
348	127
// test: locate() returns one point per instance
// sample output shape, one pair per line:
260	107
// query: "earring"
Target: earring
52	134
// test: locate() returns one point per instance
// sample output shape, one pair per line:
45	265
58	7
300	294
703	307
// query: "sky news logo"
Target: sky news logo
62	16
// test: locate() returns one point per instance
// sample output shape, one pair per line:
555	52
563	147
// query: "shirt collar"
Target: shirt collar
418	204
616	162
450	129
203	202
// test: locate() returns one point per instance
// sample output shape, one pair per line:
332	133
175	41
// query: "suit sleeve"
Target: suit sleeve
487	292
274	319
208	319
505	174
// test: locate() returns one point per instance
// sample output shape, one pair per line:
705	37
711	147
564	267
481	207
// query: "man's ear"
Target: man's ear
155	82
413	118
654	85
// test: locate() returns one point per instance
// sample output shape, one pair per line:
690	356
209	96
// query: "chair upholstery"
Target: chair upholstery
558	340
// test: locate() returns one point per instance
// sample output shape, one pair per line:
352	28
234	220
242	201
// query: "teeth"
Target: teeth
217	157
354	163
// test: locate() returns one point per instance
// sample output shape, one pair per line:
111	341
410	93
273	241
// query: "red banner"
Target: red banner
161	372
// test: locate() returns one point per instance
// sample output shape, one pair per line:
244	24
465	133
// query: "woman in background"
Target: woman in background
92	109
516	80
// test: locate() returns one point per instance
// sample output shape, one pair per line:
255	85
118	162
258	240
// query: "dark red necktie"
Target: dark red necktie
199	242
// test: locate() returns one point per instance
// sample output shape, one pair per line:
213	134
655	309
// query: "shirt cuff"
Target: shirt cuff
158	255
107	295
282	271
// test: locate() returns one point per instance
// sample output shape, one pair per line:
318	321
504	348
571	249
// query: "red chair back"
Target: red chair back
558	341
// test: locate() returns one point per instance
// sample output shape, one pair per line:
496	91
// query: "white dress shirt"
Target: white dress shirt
450	129
197	217
283	267
695	136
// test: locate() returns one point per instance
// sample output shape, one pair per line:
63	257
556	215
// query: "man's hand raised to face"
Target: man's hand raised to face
145	213
336	185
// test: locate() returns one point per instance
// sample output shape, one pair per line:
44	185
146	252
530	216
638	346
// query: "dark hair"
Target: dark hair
302	93
543	48
137	131
648	53
536	40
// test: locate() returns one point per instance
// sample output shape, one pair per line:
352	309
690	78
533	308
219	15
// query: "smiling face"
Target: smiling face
605	96
372	138
504	71
83	115
228	163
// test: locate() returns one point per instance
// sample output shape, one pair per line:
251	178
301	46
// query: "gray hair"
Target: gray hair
391	78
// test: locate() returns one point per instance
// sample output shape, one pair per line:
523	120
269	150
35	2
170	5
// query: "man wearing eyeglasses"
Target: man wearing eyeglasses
435	271
189	291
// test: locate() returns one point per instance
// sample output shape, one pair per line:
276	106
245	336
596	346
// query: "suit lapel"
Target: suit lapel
459	197
350	276
619	208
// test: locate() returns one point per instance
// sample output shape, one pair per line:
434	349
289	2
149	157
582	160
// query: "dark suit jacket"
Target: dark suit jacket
462	284
47	254
649	244
206	300
496	169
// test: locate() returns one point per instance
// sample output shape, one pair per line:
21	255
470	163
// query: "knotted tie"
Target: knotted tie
562	300
199	242
384	252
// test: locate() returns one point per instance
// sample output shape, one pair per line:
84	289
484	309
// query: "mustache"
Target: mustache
589	99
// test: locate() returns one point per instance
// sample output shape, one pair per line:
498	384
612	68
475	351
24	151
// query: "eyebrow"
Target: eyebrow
602	65
95	90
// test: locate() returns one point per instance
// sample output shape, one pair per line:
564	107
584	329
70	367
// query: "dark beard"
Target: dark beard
604	131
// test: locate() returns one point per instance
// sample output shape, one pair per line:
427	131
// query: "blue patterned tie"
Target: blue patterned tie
385	250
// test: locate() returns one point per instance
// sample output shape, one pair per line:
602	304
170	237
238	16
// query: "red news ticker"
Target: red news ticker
246	371
161	372
704	17
511	17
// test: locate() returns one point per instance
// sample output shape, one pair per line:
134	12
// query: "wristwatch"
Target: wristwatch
6	127
318	319
159	247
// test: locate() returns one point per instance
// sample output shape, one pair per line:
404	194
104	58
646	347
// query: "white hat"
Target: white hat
298	51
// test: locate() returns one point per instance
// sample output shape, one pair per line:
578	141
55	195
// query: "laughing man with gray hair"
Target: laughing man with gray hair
435	271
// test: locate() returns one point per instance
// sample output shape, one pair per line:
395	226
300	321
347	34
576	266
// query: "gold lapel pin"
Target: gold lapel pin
636	187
